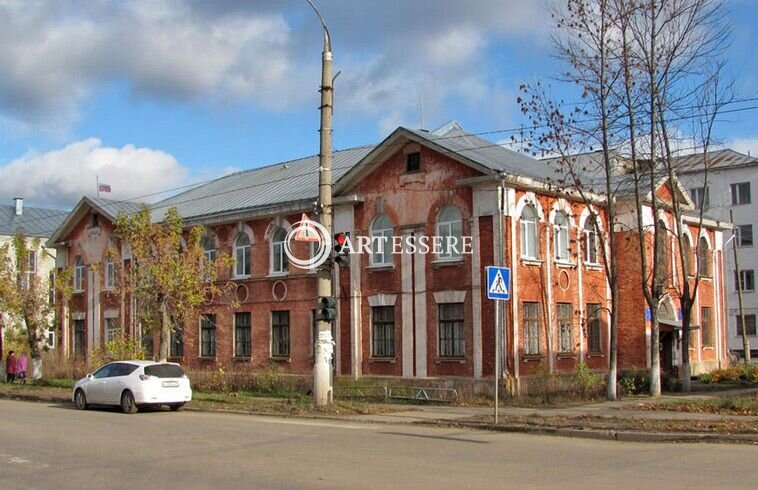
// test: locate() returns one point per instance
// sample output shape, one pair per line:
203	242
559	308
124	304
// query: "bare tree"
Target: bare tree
669	49
586	43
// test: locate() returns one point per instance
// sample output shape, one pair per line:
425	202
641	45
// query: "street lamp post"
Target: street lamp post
324	346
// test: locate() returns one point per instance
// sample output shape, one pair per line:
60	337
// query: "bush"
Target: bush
633	382
585	382
119	349
543	382
733	374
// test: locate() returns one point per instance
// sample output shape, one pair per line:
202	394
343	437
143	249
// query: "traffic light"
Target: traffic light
327	309
341	250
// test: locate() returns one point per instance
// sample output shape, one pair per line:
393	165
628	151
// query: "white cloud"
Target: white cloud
56	54
61	177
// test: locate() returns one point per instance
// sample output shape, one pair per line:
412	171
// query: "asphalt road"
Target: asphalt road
56	447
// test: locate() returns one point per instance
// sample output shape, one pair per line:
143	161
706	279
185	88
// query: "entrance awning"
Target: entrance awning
675	324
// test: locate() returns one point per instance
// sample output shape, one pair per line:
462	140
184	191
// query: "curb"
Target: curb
602	435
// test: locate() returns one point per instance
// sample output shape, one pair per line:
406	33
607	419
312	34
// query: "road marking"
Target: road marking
10	459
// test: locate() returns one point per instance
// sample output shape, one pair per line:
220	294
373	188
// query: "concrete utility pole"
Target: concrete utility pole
745	341
322	388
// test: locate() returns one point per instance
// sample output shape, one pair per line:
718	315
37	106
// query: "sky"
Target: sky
149	96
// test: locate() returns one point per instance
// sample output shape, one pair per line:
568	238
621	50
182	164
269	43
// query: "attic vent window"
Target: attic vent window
413	162
95	221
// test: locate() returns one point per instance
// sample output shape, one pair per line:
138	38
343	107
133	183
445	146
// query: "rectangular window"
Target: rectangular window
740	193
79	278
112	329
590	246
749	325
280	333
177	341
243	335
452	341
748	280
594	327
529	239
700	197
531	319
745	235
413	162
110	274
565	313
79	340
208	336
32	261
383	331
706	326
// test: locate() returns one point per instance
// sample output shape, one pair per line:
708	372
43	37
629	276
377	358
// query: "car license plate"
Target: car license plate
170	384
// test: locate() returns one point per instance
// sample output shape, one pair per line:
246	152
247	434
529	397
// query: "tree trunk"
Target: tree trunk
686	368
36	367
165	333
655	354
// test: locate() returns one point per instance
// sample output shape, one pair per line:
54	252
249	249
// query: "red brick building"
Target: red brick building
411	315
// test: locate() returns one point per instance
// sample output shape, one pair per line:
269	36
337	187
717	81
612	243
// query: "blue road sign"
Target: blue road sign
498	283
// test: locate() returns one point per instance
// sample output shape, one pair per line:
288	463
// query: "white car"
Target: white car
131	384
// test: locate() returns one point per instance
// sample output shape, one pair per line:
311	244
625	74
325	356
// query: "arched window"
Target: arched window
529	232
279	262
79	274
703	258
450	229
242	255
381	241
561	236
590	242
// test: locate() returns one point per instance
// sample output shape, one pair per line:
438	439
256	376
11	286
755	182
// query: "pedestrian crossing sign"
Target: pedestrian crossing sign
498	283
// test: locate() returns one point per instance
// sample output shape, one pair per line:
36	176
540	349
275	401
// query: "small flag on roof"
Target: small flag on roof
103	188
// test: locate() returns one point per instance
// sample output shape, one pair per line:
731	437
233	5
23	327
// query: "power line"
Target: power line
459	152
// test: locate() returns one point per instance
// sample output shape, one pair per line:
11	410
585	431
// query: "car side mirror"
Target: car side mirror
89	376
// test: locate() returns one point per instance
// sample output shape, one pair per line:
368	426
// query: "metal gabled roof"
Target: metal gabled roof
717	160
36	222
454	139
281	183
107	207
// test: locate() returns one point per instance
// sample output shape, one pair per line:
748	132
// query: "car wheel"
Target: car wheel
176	406
127	402
80	400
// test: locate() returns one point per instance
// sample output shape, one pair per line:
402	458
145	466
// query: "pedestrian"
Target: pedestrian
21	368
10	367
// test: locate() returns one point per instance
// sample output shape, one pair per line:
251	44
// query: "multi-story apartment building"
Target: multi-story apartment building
726	188
35	224
402	313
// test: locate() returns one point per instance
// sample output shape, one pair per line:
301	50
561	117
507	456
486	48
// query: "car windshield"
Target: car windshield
164	371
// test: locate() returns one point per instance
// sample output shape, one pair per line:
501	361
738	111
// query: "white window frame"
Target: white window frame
591	253
381	241
278	259
110	273
446	228
529	235
246	256
562	243
79	274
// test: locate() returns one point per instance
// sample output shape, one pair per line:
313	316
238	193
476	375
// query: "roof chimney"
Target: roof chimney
19	205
